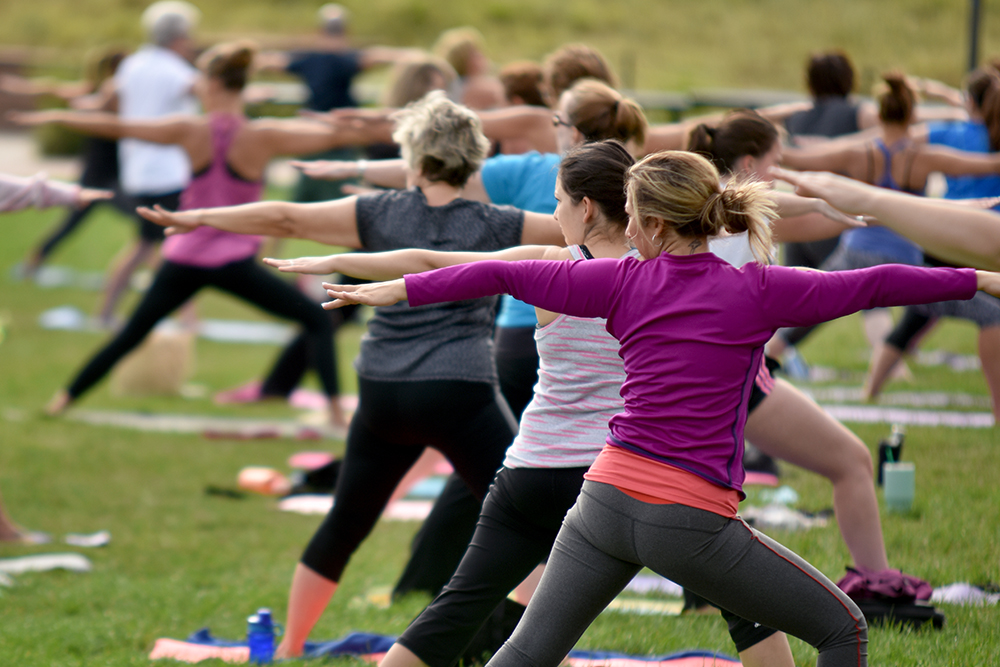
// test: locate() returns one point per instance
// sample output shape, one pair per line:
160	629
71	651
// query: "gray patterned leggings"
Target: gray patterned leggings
608	537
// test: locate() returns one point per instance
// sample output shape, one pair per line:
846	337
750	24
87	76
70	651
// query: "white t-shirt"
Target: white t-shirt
151	83
734	248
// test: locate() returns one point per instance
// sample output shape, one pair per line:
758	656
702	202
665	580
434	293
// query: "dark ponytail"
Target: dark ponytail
990	109
897	103
742	132
229	64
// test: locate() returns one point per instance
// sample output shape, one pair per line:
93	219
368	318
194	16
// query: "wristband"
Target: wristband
362	167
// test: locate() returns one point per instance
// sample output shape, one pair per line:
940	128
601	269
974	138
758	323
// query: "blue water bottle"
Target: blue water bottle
260	637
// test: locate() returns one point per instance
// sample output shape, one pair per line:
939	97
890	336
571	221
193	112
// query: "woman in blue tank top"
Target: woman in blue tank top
894	161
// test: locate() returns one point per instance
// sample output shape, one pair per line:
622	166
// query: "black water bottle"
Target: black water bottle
890	451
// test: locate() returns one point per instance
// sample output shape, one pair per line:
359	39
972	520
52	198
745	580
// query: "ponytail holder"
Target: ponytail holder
706	209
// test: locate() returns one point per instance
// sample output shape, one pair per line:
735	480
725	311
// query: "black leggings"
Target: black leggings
909	327
292	363
441	541
73	220
517	366
520	519
176	283
468	422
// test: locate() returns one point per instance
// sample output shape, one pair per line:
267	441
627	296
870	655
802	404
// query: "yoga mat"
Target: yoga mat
44	562
70	318
873	414
910	399
371	648
214	427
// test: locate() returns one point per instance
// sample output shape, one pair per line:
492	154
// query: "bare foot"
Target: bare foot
11	532
58	404
285	651
339	419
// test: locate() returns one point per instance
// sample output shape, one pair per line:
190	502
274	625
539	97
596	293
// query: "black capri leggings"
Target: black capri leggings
521	517
468	422
293	362
176	283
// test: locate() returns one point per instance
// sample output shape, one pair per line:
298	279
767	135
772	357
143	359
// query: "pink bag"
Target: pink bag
860	583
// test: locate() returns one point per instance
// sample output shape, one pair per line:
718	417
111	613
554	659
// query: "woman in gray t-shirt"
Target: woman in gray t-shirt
426	375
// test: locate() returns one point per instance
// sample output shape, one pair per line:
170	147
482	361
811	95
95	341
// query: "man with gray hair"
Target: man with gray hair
155	81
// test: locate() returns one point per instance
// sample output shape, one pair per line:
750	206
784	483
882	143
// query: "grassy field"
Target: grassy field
657	44
181	559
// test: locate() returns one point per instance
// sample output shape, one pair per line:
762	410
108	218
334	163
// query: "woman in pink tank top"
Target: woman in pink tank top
228	155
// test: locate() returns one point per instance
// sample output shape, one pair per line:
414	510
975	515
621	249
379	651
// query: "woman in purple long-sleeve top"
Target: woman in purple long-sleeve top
664	491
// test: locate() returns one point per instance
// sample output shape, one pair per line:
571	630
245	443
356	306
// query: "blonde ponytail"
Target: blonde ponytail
683	190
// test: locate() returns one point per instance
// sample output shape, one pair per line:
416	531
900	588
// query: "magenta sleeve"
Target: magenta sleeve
796	297
582	289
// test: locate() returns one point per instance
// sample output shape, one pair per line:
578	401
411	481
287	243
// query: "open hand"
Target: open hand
371	294
333	170
989	282
313	265
176	222
29	118
90	195
842	193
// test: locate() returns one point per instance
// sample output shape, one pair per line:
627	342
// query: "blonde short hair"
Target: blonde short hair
458	46
414	77
441	140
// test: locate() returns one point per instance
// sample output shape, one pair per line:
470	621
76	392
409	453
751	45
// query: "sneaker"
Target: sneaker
246	393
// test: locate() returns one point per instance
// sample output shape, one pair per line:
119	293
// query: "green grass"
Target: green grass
670	44
181	559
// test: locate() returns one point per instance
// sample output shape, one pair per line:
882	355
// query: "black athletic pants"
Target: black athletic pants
176	283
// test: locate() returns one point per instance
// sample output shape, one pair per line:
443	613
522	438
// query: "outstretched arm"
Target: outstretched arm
798	297
18	193
398	263
953	232
954	162
530	123
297	136
804	219
582	289
65	90
374	56
330	222
829	156
170	130
383	173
